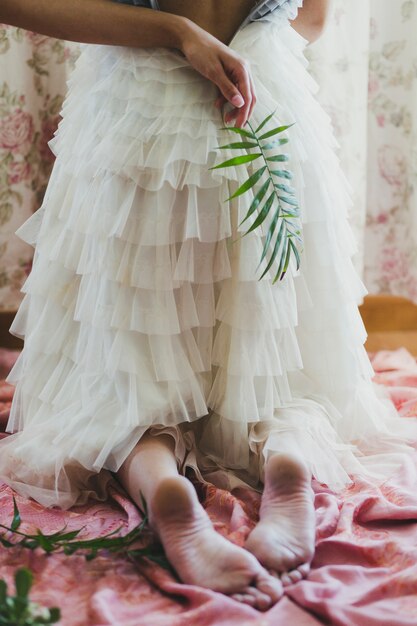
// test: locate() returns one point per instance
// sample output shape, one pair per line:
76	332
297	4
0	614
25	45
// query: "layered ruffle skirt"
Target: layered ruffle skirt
144	310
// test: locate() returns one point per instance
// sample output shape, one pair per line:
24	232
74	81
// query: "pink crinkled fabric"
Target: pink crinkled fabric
364	572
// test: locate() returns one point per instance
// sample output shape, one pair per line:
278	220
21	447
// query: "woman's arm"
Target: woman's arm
108	22
94	21
312	19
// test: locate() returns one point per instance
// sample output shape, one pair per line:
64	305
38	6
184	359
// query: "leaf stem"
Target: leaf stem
267	167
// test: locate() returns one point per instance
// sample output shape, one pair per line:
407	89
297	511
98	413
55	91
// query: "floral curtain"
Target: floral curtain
32	87
366	66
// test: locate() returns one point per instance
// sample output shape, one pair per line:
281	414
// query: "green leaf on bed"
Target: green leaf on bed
18	609
3	592
16	521
23	581
69	543
281	206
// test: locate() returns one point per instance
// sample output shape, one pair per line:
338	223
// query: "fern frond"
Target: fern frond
281	204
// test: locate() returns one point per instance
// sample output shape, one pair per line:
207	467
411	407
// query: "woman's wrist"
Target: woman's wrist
183	31
98	21
177	29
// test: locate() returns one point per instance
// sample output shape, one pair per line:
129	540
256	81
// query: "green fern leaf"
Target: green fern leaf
278	158
245	158
281	263
270	234
283	174
275	131
257	200
263	214
289	200
264	123
281	204
275	250
239	131
283	266
239	145
296	253
275	144
251	182
285	188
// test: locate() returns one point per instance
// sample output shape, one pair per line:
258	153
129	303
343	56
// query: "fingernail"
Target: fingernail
238	101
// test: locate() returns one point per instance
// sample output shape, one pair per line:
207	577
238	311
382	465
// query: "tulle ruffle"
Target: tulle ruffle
143	309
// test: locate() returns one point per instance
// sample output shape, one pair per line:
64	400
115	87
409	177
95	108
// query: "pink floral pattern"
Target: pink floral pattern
30	102
369	90
16	132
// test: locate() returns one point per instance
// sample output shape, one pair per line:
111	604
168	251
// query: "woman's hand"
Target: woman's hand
105	22
223	67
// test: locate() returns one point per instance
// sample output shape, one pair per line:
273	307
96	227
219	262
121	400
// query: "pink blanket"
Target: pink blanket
364	572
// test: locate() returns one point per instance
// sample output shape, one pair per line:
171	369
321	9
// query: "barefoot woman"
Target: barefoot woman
150	344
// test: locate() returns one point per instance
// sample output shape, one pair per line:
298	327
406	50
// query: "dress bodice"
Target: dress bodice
260	10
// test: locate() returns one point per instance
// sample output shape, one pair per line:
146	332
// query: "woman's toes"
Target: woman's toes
285	579
267	592
295	575
262	601
271	586
304	569
244	598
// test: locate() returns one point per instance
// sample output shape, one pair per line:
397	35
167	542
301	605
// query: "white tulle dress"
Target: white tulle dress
143	309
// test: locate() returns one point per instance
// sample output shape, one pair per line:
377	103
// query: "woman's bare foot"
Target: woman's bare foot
200	555
283	540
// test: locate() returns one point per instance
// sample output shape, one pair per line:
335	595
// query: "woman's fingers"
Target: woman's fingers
223	67
245	88
237	78
228	89
253	97
220	102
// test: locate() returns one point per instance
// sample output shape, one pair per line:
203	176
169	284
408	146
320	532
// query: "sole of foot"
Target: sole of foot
200	555
283	540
